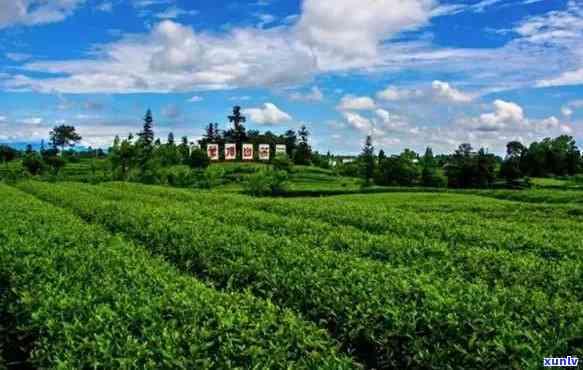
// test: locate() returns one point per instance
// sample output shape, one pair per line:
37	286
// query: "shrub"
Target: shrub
282	162
266	183
432	178
33	164
198	159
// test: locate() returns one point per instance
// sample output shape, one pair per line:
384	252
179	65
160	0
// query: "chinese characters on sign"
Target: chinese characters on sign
212	151
247	152
230	152
264	152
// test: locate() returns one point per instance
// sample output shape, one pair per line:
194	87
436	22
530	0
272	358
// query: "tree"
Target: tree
290	140
428	159
32	161
511	167
7	153
171	139
382	156
64	136
199	159
515	149
147	134
238	134
467	169
397	170
184	150
303	152
367	160
123	157
430	175
145	144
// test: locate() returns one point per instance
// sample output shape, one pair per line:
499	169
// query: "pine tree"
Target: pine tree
367	158
382	156
303	153
184	150
171	139
147	135
239	133
146	141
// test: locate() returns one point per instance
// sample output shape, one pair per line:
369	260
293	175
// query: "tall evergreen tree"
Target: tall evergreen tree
146	141
367	160
382	156
291	141
239	133
147	134
171	139
303	153
184	150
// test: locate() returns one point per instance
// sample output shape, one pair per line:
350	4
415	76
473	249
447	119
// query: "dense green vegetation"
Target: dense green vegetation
77	297
400	280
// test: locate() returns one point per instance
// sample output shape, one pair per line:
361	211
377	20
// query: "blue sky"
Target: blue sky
410	72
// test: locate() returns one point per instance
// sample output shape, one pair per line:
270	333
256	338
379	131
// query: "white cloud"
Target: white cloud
357	35
565	79
32	121
147	3
505	113
392	93
196	99
351	102
35	12
173	58
443	90
348	32
268	114
174	12
18	57
568	109
315	95
439	90
240	98
3	118
563	30
171	111
358	122
106	6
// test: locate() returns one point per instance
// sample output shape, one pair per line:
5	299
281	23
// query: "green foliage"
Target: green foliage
33	164
83	299
64	136
559	156
467	169
266	183
56	163
303	152
282	162
7	154
401	170
431	177
199	159
367	161
401	280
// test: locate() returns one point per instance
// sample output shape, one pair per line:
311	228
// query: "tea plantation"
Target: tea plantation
122	275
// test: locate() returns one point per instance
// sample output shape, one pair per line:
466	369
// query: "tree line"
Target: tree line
469	168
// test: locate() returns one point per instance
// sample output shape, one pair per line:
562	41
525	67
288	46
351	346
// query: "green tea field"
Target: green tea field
123	275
